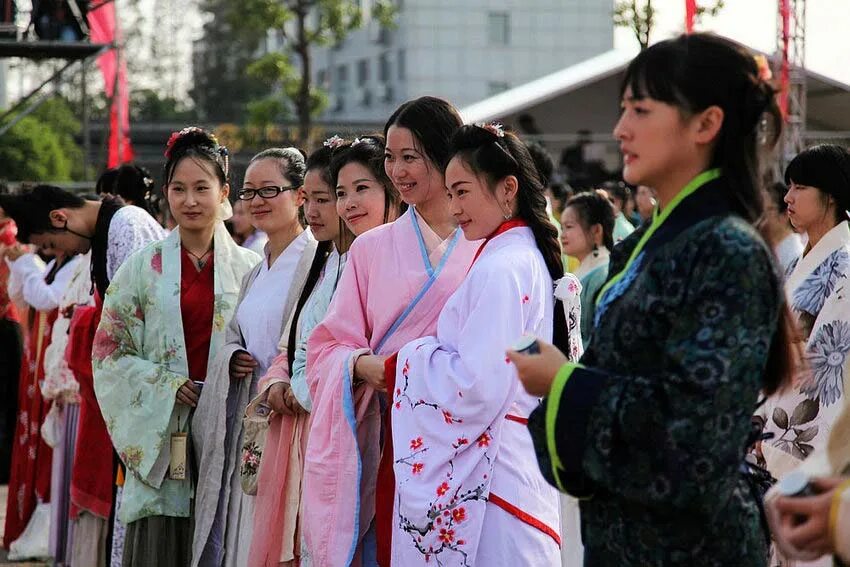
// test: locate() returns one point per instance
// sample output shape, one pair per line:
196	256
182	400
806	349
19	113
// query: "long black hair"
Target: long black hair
694	72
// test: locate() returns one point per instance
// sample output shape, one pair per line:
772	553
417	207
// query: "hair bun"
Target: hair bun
190	137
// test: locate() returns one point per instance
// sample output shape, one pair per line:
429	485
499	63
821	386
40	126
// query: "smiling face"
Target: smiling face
478	210
575	241
809	207
272	214
194	194
360	198
320	207
411	171
654	139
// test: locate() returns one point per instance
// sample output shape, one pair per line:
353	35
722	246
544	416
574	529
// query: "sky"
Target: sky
754	22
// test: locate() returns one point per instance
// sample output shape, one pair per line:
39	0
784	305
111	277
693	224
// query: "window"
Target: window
341	78
496	87
322	79
362	72
499	28
402	67
384	70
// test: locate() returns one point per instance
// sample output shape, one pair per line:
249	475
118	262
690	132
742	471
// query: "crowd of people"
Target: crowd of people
408	348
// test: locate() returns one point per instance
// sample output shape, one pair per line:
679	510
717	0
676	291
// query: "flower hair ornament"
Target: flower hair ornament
494	128
334	142
764	72
189	130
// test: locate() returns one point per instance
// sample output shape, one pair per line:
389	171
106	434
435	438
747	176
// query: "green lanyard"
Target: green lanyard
658	219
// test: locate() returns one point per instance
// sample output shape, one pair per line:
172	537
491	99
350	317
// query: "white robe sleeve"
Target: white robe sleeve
450	397
131	229
29	271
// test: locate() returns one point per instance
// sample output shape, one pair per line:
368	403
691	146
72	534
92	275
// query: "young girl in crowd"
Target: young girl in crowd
283	389
467	489
272	195
587	226
653	424
150	364
396	280
801	419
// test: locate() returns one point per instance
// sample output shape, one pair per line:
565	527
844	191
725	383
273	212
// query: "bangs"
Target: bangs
655	72
825	166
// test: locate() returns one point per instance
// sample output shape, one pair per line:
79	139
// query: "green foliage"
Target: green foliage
303	24
57	115
32	151
147	105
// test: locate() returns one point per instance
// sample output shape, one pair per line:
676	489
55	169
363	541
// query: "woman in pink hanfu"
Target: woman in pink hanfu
396	280
467	489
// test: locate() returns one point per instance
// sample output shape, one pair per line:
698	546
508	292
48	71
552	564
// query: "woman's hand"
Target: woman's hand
804	521
537	371
242	365
282	400
370	369
189	394
13	251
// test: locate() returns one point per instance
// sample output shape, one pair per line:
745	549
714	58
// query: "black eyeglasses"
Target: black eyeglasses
269	192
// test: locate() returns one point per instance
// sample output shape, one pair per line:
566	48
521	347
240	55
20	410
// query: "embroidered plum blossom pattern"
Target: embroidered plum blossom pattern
827	356
401	396
821	283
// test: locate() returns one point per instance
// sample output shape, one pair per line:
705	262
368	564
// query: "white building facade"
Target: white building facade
460	50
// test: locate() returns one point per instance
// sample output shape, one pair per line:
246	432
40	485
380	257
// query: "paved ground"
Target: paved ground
3	562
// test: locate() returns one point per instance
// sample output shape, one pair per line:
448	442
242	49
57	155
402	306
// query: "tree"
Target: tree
56	113
147	105
639	17
303	24
32	151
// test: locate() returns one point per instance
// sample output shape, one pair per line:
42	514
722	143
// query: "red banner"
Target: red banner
690	14
104	29
785	70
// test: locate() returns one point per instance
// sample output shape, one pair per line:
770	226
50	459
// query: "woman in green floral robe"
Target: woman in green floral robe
652	426
144	350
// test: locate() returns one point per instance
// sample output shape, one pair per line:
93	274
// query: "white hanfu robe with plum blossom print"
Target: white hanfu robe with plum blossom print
468	490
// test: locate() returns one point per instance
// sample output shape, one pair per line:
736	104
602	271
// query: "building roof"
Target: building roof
584	96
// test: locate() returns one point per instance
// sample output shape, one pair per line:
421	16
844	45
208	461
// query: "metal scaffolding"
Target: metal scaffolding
791	64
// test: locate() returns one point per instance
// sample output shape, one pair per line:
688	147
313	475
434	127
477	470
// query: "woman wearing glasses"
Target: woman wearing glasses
223	512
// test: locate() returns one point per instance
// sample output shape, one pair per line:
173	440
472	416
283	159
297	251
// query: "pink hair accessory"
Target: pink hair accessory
764	72
188	130
494	128
334	142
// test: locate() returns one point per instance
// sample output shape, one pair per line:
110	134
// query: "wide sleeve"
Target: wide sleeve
29	272
137	395
673	438
131	229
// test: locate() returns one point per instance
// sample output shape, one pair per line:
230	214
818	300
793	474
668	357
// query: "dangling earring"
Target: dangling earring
595	250
508	215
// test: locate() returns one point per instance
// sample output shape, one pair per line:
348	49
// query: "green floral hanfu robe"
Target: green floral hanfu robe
651	427
140	362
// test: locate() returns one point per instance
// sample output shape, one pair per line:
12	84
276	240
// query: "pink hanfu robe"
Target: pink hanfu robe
468	489
391	292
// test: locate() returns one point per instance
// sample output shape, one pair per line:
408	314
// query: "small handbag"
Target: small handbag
255	428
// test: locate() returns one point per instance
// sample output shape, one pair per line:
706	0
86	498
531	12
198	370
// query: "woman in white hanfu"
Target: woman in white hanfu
272	194
801	418
467	490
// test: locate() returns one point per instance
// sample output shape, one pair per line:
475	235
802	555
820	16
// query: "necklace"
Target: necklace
200	260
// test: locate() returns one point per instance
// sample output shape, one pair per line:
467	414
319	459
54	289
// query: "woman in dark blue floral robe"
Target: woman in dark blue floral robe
651	427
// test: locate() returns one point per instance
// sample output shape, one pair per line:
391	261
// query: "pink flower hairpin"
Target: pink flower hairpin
334	142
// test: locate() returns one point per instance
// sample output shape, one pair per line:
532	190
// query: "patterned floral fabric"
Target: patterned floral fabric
652	426
139	362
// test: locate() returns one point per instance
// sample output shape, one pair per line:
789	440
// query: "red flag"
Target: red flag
104	29
785	70
690	14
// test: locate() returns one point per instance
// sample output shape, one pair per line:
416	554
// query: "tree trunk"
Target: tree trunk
302	102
